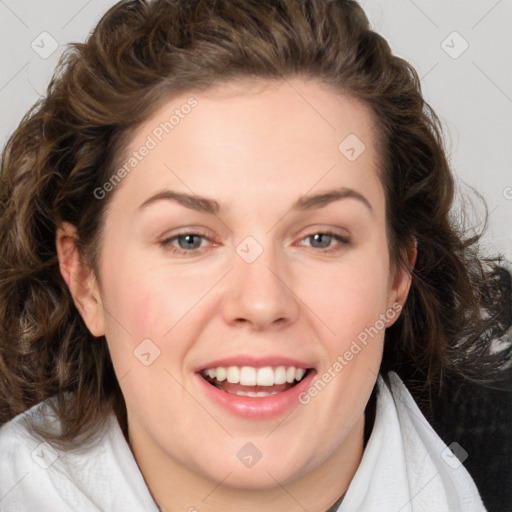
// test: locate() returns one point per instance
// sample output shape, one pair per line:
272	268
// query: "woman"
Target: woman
228	266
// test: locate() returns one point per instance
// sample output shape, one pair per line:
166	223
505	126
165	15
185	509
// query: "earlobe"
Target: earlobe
80	280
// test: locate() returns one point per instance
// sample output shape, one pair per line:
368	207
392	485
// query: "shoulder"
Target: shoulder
93	475
24	458
428	460
18	443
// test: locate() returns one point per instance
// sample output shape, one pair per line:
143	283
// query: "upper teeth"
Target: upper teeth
249	376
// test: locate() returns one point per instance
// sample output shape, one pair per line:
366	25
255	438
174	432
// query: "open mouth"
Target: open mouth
255	382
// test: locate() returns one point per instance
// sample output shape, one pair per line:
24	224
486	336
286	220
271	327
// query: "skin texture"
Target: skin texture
254	148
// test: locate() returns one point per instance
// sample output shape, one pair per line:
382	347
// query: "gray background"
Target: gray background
469	88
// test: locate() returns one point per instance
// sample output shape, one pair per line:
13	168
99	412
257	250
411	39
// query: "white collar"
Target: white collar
406	467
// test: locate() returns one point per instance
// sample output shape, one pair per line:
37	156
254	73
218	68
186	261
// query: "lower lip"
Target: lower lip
257	408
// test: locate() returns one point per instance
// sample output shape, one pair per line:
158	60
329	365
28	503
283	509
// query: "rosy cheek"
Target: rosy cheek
153	304
145	311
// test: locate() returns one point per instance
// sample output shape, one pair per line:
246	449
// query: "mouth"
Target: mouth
255	382
254	388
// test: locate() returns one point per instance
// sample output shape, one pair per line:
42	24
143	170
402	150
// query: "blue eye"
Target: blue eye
190	243
187	242
324	239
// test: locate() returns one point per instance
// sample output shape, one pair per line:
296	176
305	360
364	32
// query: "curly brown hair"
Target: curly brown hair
141	53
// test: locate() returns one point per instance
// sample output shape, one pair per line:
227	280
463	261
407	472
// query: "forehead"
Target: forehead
248	136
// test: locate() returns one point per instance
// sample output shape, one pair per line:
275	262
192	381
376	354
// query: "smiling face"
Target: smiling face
193	290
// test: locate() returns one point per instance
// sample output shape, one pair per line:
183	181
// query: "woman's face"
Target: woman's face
215	258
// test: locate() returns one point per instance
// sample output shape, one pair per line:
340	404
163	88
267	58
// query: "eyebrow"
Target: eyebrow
304	203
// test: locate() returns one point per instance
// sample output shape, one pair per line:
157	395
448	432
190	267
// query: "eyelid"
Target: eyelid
322	228
185	231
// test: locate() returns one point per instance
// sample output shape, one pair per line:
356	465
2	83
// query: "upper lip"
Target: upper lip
255	362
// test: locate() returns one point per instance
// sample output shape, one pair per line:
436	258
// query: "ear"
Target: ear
80	279
402	280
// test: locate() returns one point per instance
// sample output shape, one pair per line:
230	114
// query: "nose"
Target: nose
260	294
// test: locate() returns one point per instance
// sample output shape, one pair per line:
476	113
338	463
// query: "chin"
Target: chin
262	478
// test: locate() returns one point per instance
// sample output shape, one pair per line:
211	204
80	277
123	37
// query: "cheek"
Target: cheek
146	301
350	297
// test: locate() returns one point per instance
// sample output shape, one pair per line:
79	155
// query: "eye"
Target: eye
188	243
322	240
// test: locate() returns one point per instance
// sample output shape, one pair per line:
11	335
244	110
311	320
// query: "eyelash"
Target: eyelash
167	243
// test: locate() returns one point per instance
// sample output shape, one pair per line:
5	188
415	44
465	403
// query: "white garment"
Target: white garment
406	467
